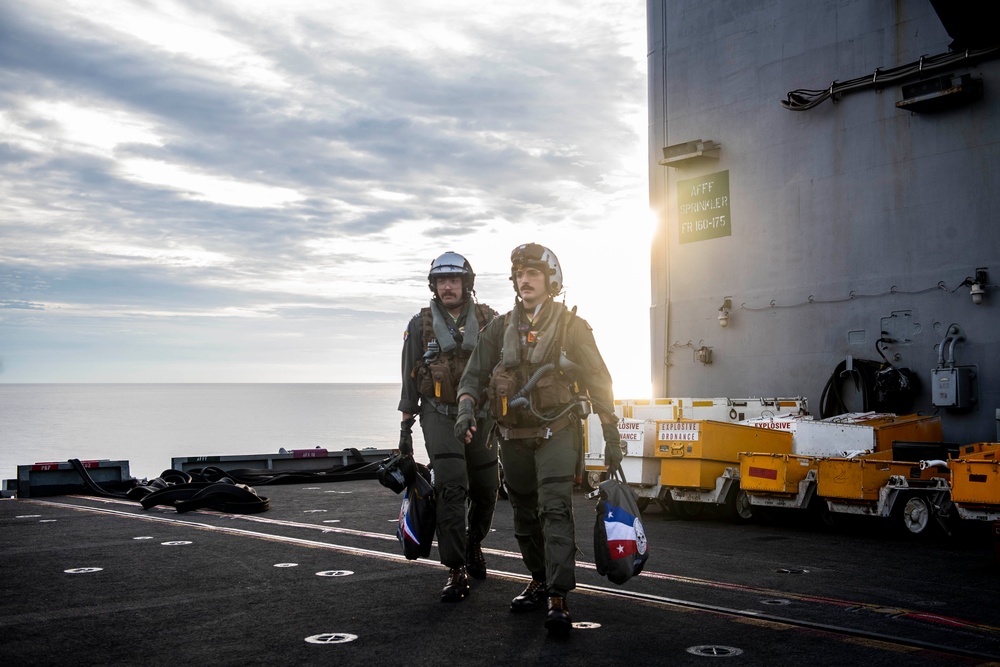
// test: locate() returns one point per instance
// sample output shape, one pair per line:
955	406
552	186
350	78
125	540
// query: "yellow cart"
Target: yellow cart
917	495
637	426
789	480
975	482
700	462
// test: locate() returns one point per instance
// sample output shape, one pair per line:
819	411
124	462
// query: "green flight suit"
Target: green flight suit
466	477
539	471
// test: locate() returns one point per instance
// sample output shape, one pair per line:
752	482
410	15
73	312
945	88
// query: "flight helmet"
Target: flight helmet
452	264
532	255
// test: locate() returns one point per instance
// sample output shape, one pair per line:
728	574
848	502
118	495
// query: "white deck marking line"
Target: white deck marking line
258	535
348	531
296	524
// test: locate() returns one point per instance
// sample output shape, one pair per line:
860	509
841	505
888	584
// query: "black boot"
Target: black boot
558	622
530	598
457	586
475	562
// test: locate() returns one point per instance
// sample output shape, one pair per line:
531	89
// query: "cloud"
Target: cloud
253	155
22	305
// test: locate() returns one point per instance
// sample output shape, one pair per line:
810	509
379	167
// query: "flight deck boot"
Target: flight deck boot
530	598
457	586
475	562
558	622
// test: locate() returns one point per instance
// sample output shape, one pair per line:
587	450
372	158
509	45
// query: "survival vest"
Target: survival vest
534	393
438	377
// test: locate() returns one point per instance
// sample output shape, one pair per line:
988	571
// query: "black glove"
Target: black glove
466	418
612	446
406	436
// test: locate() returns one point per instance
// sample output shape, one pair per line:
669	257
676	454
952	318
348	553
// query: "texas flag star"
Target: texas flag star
620	528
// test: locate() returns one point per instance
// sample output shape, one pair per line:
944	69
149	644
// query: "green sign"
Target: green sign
703	207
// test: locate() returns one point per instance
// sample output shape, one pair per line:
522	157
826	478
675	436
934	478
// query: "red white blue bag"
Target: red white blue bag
620	547
417	517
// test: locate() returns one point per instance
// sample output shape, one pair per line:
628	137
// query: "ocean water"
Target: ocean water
148	424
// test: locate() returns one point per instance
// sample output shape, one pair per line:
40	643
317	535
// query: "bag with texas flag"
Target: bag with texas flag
417	516
620	547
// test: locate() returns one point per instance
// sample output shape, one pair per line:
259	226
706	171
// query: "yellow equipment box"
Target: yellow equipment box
979	450
773	473
852	432
695	453
765	473
903	428
861	477
975	475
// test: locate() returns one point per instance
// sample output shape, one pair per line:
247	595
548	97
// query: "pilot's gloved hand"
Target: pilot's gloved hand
613	453
406	436
465	423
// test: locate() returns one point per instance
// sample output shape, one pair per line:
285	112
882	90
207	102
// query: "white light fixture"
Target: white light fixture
977	292
978	285
724	312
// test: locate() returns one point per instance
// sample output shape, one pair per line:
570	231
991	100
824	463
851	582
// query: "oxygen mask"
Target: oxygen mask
433	350
396	472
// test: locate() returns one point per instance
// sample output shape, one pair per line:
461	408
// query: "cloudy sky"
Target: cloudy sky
252	191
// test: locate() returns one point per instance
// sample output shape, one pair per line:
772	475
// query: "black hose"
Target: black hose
883	388
519	399
831	402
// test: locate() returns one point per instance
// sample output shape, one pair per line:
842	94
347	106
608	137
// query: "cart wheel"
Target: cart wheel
592	479
642	503
916	516
738	507
820	514
687	510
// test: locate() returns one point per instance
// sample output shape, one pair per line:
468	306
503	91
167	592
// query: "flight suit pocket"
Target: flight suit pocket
551	392
443	387
503	386
424	382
